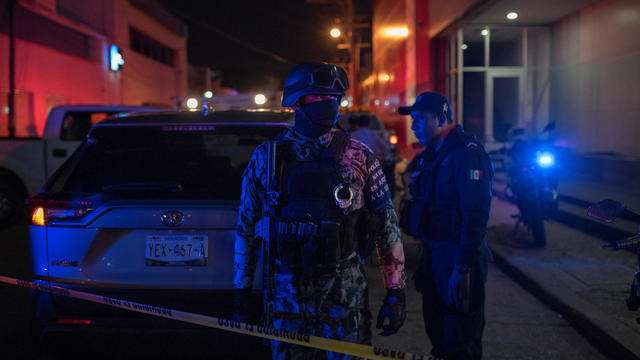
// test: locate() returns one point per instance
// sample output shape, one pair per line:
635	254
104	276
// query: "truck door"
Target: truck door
74	128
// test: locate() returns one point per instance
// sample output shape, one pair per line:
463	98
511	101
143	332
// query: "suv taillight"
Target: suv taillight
40	211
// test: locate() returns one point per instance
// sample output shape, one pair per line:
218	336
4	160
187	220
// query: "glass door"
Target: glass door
503	103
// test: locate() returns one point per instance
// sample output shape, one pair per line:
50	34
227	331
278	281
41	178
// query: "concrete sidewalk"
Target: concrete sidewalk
574	276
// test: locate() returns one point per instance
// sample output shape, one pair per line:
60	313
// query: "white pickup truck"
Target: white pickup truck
26	163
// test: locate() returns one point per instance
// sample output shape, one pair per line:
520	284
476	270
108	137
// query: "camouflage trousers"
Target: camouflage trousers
334	306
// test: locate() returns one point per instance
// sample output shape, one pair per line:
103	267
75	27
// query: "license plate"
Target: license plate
186	250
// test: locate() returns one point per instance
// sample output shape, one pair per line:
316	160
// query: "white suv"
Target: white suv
145	210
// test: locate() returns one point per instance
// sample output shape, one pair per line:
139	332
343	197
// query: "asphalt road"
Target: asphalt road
517	326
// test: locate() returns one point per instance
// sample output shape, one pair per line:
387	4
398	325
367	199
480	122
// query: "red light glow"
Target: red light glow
74	322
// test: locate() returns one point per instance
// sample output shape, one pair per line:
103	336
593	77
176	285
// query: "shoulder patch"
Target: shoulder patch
476	175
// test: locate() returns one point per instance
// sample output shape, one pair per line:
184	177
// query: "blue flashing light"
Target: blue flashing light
545	159
115	58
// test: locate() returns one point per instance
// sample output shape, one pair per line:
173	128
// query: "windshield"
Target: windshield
155	162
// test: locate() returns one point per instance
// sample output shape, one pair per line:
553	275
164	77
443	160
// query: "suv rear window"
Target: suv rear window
76	124
163	162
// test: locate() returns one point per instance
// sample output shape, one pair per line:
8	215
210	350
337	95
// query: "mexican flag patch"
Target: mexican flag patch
476	174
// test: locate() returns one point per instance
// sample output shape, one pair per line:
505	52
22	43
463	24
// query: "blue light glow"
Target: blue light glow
115	58
545	159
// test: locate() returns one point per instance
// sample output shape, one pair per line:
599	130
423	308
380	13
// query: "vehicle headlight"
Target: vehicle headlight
545	159
260	99
192	103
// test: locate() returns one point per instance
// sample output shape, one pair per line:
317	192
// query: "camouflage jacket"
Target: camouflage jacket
358	167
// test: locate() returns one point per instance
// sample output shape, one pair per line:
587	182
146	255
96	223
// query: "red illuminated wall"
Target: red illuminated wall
390	64
51	69
410	62
145	80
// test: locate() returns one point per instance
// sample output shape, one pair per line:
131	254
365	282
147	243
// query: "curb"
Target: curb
601	340
586	225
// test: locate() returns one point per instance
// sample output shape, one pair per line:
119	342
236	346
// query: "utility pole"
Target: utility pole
352	43
12	70
351	36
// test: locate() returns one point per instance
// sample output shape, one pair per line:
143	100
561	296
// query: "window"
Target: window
41	30
474	103
473	46
506	47
76	124
145	45
152	162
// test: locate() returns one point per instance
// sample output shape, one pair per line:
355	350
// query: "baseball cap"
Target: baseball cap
429	101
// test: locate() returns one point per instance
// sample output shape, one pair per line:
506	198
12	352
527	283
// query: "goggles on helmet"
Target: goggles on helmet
332	77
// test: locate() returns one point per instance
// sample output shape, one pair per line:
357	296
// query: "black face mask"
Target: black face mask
316	118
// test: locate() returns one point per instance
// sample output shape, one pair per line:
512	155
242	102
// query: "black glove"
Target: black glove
394	308
241	299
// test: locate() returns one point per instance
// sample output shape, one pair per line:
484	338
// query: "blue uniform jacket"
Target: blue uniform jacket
455	183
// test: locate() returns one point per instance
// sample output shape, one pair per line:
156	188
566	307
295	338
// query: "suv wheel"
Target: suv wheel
11	205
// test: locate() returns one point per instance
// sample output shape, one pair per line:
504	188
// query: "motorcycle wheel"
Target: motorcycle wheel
536	222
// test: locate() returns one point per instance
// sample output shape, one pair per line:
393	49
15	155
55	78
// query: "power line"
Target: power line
232	38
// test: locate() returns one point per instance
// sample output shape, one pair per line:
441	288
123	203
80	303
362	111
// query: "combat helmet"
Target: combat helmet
314	77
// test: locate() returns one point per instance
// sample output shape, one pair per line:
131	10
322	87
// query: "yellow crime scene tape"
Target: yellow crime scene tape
363	351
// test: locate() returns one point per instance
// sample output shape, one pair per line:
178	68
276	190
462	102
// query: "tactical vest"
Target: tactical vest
313	232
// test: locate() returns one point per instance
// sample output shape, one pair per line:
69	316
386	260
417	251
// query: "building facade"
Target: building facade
65	54
576	63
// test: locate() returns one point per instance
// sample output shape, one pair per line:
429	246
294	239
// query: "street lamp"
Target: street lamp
335	33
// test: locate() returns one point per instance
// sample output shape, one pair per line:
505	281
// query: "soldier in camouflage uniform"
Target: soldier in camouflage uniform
334	186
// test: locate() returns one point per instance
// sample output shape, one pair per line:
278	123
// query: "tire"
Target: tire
536	222
11	204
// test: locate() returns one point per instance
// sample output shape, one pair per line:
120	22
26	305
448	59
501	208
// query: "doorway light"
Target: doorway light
395	32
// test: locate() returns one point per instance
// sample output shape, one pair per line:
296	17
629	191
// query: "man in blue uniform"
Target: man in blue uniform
333	208
451	192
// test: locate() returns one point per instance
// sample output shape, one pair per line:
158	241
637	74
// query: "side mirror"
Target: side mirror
550	126
606	210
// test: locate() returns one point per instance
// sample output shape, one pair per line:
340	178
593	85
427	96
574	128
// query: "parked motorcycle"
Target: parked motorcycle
532	182
608	211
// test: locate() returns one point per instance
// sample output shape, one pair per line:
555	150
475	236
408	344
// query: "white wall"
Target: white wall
596	78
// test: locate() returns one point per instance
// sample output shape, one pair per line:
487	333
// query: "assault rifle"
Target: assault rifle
266	232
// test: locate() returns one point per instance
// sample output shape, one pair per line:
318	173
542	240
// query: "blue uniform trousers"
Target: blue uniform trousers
454	335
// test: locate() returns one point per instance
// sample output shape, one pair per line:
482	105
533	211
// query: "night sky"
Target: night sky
252	41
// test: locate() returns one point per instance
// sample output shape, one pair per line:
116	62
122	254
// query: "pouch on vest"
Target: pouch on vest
307	244
360	231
